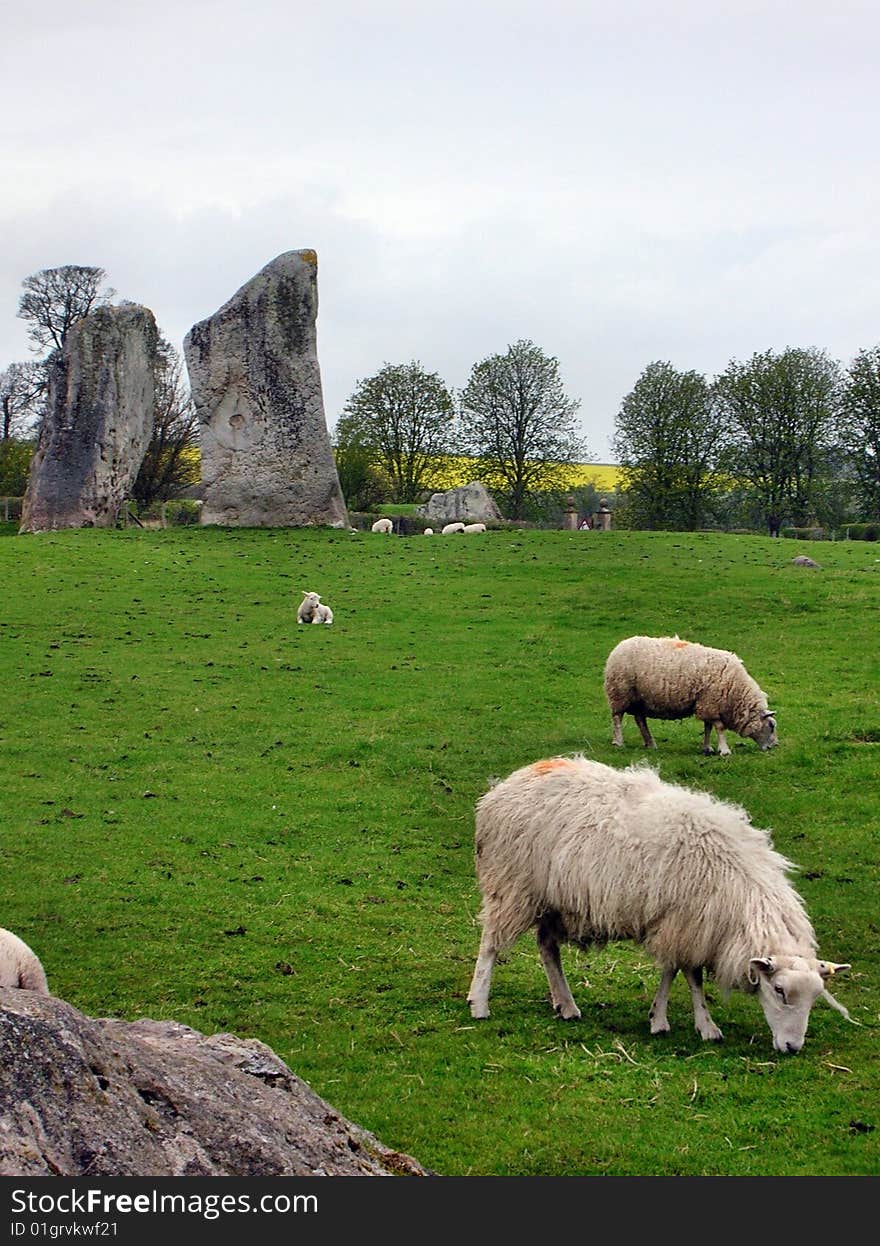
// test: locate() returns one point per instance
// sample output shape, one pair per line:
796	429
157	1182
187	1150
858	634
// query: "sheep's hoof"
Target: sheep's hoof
479	1014
568	1013
660	1029
711	1034
708	752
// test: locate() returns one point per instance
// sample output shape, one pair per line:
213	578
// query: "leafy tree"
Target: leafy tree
519	425
781	411
15	462
667	444
22	393
364	483
169	465
56	298
404	417
860	428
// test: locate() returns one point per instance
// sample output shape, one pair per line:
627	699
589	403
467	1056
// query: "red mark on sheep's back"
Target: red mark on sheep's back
549	764
681	644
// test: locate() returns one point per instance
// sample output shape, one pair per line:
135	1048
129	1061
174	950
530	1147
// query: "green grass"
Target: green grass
214	815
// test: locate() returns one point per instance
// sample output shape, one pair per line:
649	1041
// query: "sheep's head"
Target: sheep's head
762	730
788	987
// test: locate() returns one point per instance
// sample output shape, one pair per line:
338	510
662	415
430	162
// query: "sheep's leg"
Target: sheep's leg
707	738
705	1026
642	724
723	749
560	995
617	730
478	995
659	1023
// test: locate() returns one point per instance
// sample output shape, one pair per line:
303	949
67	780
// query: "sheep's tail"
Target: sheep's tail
829	998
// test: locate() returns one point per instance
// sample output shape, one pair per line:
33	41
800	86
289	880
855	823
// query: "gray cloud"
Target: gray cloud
619	183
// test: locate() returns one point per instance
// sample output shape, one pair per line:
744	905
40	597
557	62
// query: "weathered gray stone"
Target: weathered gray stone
256	384
80	1096
98	422
468	504
803	561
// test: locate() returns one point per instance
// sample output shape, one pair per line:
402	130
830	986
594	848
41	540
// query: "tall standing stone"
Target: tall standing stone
256	384
98	421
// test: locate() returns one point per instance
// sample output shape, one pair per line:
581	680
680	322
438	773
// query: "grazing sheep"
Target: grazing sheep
474	527
665	677
19	966
383	525
451	528
587	854
428	532
323	614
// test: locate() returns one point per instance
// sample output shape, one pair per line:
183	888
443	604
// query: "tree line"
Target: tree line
789	437
783	438
52	301
512	420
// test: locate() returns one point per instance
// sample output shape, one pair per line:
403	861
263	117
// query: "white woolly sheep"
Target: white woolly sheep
323	614
428	532
587	854
665	677
382	525
474	527
19	966
308	607
451	528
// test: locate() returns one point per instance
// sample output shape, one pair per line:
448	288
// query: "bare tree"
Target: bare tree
519	425
169	465
22	394
56	298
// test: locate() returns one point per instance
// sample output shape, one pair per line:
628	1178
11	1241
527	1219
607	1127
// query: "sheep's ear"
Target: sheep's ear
827	968
758	965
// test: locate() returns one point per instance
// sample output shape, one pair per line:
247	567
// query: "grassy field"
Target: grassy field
216	816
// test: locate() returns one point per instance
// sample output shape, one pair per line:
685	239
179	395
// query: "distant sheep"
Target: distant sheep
587	854
19	966
312	611
428	532
474	527
382	525
451	528
665	677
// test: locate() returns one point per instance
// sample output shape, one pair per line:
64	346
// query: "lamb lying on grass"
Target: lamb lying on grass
311	610
665	677
19	966
587	854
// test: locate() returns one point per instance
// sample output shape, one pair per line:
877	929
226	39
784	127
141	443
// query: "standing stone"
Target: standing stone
256	384
98	421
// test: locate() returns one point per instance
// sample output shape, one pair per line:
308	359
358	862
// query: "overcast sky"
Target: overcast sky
620	182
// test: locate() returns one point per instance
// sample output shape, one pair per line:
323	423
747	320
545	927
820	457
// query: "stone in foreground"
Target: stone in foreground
87	1097
256	385
98	422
